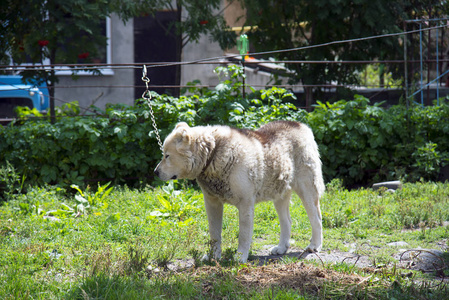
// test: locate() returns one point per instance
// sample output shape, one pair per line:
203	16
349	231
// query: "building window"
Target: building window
105	56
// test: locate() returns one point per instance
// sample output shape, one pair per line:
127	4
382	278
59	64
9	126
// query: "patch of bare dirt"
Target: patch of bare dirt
425	260
297	276
330	256
276	273
267	270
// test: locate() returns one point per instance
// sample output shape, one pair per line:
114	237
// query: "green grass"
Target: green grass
56	245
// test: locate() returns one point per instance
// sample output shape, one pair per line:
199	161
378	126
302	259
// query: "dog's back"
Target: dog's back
291	157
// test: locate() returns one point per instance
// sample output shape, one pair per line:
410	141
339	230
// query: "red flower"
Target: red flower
204	22
83	55
43	43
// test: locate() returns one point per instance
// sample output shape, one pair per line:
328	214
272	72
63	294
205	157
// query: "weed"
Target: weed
138	260
100	262
196	255
176	205
229	257
11	183
165	252
86	201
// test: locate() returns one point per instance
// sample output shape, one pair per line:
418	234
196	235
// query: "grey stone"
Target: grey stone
426	260
397	244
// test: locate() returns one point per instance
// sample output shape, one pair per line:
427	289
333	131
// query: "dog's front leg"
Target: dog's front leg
246	225
214	210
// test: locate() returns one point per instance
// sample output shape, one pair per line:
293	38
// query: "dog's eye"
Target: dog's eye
166	156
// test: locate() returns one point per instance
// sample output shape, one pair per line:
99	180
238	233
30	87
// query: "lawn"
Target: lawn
120	243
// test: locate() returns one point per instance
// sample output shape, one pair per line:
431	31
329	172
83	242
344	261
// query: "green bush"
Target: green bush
359	142
119	144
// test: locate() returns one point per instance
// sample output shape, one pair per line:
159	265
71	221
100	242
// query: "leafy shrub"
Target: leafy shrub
75	149
119	144
358	142
361	143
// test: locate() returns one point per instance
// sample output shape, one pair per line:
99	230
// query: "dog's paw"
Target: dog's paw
206	257
241	258
312	248
279	250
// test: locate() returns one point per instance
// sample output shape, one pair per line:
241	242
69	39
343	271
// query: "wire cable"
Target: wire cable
219	59
305	47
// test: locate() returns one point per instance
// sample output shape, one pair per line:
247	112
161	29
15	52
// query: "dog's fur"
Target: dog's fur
243	167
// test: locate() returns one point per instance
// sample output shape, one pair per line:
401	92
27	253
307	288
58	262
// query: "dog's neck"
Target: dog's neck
211	157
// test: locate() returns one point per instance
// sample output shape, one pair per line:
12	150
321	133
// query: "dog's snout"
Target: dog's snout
156	171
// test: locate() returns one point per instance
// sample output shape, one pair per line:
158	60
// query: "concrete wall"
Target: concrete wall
85	90
205	48
203	72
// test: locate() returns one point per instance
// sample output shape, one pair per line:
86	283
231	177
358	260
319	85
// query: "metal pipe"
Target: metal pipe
421	64
438	69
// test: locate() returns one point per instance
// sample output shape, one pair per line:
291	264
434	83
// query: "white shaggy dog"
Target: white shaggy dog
243	167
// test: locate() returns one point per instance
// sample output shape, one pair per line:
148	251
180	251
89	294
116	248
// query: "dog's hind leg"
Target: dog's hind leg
285	221
214	210
310	199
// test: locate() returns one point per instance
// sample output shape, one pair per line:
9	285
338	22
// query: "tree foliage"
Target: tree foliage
69	31
54	31
292	24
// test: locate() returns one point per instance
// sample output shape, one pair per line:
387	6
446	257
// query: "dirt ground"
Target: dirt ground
274	269
425	260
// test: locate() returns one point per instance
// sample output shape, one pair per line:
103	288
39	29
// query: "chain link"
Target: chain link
147	96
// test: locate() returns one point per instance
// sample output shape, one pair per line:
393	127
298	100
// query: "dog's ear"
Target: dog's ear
182	125
183	132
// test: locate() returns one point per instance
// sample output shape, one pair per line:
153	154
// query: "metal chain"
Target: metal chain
147	96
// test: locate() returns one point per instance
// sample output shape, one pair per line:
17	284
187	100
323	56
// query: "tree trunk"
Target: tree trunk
309	97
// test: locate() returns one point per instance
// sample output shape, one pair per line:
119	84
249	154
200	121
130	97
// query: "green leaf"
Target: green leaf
166	204
81	199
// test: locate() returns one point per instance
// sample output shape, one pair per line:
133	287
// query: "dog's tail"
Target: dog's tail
314	161
318	178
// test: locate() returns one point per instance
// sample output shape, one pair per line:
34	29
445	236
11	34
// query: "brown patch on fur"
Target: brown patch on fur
267	133
252	134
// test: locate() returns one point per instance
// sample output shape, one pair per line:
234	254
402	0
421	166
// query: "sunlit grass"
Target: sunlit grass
102	250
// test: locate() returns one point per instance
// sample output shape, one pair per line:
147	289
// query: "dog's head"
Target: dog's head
185	152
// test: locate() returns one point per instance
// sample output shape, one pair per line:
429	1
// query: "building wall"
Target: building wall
203	72
99	90
117	86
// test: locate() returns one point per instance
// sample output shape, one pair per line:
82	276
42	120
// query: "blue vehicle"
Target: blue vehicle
13	93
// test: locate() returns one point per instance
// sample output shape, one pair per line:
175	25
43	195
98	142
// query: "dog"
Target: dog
243	167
